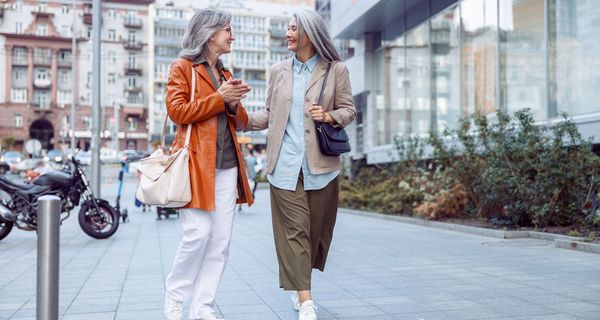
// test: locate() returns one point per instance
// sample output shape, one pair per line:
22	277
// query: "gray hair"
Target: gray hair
313	24
201	27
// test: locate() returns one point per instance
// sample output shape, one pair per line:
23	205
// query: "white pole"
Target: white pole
95	143
73	121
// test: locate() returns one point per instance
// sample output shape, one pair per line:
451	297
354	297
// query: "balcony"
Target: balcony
87	18
133	45
132	22
64	63
42	83
133	70
134	98
19	61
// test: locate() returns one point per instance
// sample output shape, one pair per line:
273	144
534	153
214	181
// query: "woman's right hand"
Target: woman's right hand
233	91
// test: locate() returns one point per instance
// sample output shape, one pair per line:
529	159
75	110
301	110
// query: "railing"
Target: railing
132	22
133	70
19	61
133	45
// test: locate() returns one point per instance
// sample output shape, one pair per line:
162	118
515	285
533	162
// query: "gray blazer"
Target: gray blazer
337	101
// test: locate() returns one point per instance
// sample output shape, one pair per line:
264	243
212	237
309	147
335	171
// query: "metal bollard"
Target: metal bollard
47	257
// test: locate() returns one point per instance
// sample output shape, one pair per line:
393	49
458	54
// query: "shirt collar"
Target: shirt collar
308	65
202	60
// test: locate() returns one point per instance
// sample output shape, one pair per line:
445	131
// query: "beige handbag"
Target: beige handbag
165	179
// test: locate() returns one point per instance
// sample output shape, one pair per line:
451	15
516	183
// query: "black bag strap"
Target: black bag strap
324	83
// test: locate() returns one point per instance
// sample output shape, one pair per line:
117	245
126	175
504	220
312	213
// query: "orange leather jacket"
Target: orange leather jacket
202	114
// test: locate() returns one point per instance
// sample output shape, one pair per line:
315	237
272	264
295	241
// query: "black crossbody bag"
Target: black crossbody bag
332	141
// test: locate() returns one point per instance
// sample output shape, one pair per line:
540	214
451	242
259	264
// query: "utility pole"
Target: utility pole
73	121
95	145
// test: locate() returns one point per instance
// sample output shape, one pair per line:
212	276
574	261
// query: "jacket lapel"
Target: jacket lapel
201	70
287	88
317	74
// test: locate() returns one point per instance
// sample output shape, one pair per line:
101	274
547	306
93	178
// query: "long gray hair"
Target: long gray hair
201	27
316	29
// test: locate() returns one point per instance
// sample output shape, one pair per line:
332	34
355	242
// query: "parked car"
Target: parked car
131	155
54	156
12	157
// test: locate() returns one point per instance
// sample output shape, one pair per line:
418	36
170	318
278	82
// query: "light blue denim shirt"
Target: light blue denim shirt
292	156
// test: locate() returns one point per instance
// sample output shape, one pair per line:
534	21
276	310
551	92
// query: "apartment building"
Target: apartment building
38	78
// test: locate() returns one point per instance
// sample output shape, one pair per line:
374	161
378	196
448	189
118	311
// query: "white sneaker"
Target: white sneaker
173	308
308	311
296	300
211	316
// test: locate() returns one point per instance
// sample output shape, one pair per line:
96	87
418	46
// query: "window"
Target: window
111	57
63	98
479	55
522	57
89	80
18	95
132	59
19	27
131	37
573	56
64	77
42	30
41	7
112	13
131	81
18	121
89	32
132	123
111	78
42	99
112	36
445	67
87	122
65	9
65	31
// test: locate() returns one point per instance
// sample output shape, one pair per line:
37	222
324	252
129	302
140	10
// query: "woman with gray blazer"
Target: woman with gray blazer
304	182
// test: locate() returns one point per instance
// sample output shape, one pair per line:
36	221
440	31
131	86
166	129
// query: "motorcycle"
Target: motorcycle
97	218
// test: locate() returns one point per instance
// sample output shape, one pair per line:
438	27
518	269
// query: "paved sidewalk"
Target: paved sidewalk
377	270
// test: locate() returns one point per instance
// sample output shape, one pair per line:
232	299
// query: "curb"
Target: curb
560	241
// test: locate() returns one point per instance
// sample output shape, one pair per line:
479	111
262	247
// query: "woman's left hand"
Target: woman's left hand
317	114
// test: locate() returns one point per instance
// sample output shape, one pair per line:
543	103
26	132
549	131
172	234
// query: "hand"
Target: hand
317	114
233	91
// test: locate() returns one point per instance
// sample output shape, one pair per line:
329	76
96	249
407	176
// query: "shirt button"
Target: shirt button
307	131
306	99
306	115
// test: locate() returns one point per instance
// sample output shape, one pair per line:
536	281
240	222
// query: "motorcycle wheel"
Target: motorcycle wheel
99	225
5	228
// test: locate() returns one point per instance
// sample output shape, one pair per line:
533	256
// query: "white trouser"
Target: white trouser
204	248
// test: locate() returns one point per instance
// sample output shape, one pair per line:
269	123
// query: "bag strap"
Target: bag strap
189	126
324	82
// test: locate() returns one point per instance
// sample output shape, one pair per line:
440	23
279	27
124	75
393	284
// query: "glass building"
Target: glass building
418	65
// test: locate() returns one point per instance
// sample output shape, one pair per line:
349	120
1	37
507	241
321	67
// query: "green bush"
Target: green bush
520	173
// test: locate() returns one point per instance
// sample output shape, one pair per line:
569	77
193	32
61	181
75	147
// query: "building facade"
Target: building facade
419	65
39	82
